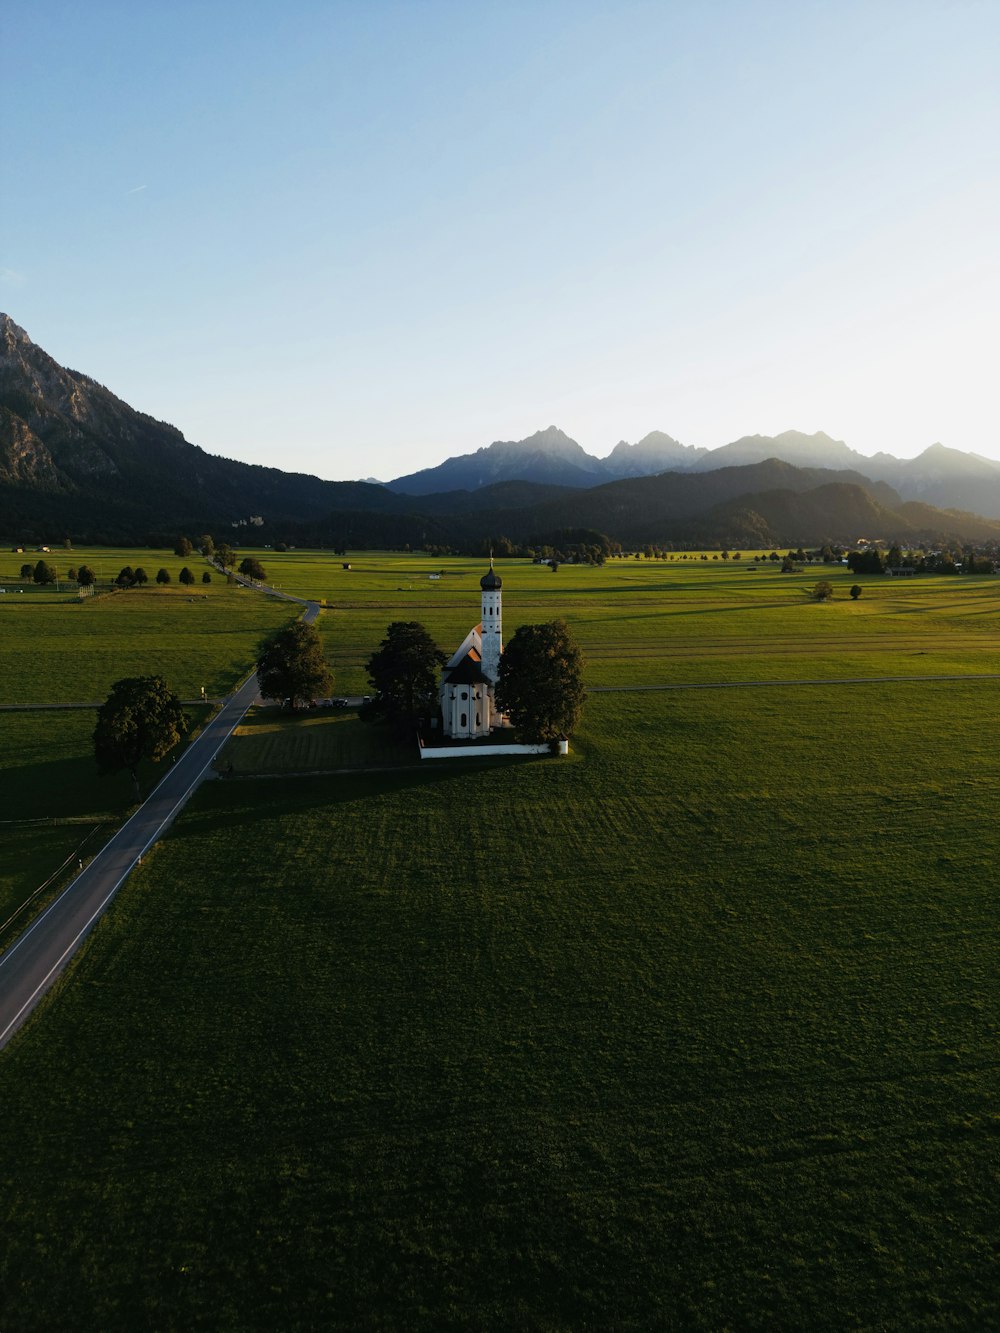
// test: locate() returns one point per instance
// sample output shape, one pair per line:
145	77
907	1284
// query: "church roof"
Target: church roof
467	672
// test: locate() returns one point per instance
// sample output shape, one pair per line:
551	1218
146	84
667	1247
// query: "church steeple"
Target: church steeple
492	579
492	631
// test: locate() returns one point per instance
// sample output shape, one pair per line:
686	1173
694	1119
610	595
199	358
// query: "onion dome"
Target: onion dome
491	580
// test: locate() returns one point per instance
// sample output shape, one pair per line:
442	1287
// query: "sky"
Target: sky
354	239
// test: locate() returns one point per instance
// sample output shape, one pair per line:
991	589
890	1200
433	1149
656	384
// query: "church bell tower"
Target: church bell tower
492	634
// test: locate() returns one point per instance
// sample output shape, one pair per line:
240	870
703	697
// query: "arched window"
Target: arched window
464	721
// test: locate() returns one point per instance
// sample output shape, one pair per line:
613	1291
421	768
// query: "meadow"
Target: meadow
55	648
696	1028
663	622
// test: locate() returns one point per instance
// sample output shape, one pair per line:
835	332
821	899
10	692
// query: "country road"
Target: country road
34	962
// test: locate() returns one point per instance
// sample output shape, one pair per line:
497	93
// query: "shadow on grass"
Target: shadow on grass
242	802
68	788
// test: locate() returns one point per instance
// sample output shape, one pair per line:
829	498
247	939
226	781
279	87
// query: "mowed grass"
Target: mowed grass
695	1029
270	741
55	648
663	622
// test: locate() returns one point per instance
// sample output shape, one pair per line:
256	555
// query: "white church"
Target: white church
469	679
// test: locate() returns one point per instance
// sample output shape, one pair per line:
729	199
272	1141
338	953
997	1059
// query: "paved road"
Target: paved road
33	963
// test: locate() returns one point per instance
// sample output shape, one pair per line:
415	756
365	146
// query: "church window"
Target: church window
465	695
465	720
477	720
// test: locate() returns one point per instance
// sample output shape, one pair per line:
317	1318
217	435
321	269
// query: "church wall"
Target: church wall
469	716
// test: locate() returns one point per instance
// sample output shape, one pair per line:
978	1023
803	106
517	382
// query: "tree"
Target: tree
823	591
206	577
207	545
291	665
541	682
252	569
27	571
86	577
43	572
163	576
871	561
183	547
141	719
225	555
403	672
71	573
788	565
855	591
126	577
140	576
186	577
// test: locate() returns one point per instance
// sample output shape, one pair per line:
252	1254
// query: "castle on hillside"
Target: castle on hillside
469	679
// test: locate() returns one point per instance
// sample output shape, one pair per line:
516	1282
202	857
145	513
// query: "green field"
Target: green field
271	741
55	648
697	1028
658	622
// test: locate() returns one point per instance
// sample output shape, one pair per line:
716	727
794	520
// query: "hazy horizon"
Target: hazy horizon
357	239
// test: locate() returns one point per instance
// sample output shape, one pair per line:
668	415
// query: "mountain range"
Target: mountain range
939	476
77	460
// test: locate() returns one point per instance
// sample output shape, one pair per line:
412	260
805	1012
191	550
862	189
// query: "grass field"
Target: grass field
653	622
697	1028
270	741
56	649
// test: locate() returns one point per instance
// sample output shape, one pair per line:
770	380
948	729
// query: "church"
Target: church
468	709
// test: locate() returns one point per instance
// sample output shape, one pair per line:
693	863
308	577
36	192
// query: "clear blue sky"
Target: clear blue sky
356	238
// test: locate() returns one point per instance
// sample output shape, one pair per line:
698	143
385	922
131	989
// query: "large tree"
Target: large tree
403	672
291	665
141	719
541	682
251	568
43	572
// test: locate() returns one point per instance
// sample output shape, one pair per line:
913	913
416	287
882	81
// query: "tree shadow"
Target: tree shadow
67	789
229	803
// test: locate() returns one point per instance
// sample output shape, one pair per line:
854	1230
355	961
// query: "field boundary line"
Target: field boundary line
41	708
779	684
